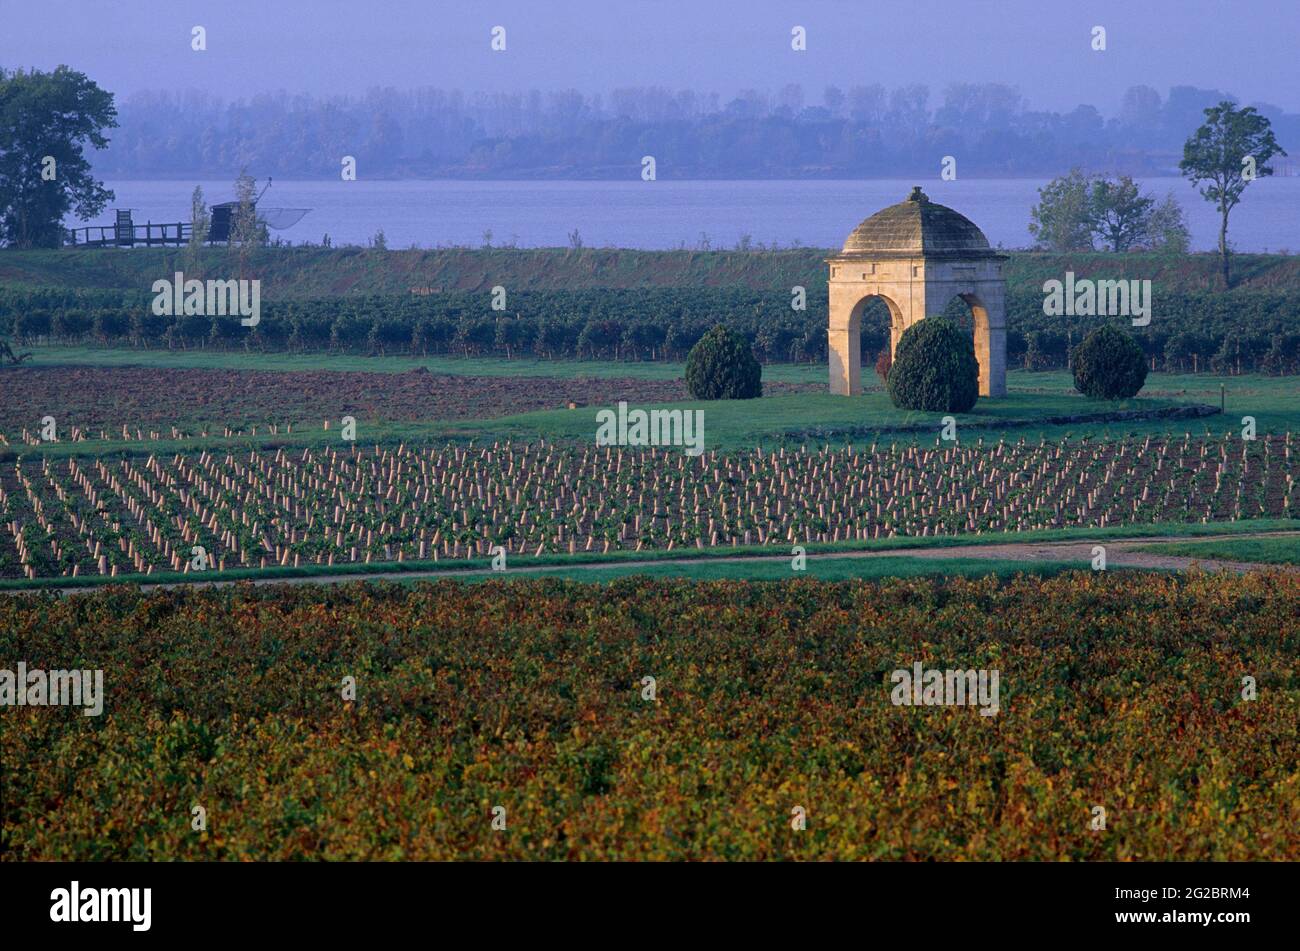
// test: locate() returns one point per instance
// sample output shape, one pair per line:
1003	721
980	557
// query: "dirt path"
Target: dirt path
1120	553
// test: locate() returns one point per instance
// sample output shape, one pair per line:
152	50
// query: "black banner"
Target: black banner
1219	902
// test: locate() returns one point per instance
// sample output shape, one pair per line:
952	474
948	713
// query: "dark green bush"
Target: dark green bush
1108	365
935	368
722	367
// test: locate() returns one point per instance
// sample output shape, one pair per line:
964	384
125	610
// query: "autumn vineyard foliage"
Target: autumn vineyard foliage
1118	691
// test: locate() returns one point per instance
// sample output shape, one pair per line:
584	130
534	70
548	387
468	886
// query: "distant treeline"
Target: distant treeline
1236	332
832	133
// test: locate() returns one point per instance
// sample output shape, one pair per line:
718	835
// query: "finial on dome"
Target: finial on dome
917	194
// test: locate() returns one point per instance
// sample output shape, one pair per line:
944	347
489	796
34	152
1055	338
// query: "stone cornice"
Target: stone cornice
867	256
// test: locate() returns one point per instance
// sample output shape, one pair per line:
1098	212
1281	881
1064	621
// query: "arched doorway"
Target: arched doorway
882	318
969	312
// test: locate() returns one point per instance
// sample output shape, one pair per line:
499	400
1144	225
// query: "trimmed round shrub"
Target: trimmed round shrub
934	368
721	366
1108	365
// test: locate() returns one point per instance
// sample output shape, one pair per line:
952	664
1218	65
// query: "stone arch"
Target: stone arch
844	343
985	337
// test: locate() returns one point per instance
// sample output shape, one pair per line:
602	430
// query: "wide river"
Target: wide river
674	214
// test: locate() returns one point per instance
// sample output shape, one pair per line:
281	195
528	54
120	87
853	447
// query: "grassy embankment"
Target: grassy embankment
316	272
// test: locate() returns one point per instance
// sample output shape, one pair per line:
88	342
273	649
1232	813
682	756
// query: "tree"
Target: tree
510	335
1108	365
1140	109
475	335
420	336
884	360
680	339
934	368
550	338
245	229
833	100
46	121
599	337
1283	356
1119	212
642	336
200	224
1231	149
1166	228
811	346
722	367
1179	351
1063	218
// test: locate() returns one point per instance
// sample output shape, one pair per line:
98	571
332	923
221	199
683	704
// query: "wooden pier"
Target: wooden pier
126	234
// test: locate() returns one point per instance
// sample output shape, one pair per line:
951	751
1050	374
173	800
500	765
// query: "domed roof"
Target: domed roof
918	226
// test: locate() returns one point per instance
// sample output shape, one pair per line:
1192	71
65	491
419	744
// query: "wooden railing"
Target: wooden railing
148	235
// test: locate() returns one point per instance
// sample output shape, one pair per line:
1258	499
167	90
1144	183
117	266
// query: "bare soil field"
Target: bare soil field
112	397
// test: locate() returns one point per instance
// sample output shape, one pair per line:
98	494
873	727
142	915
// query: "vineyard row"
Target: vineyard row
1234	333
259	509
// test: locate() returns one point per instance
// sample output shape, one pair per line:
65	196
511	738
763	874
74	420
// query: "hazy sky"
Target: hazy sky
347	46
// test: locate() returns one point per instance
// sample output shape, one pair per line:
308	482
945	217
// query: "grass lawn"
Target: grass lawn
1033	397
633	562
1271	551
736	424
822	569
